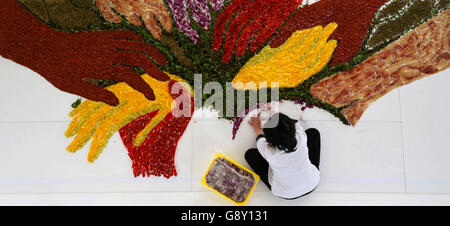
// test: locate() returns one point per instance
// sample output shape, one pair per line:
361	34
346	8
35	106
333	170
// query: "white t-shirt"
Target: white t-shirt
290	174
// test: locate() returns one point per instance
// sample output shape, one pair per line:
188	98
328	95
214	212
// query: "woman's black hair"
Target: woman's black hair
280	132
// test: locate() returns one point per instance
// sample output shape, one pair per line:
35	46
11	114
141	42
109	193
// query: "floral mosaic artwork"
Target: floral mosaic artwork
124	58
300	57
419	53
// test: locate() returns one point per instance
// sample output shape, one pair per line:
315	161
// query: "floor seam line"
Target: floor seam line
403	140
192	156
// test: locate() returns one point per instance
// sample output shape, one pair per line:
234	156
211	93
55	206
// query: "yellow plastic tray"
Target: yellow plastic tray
220	155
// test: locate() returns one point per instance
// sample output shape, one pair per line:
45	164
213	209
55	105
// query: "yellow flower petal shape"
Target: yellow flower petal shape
304	54
100	121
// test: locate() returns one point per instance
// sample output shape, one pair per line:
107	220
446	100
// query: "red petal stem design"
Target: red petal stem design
156	156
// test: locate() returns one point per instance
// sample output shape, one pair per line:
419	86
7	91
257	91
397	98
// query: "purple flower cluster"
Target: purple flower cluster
230	180
304	105
199	11
181	16
217	4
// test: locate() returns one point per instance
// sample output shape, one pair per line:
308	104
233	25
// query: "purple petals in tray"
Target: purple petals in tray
230	180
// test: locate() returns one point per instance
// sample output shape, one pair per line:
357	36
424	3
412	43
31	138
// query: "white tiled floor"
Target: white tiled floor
426	128
399	153
368	158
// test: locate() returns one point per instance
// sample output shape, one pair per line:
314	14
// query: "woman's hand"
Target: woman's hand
255	123
300	117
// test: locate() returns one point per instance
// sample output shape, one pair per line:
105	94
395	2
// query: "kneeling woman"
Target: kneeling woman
287	157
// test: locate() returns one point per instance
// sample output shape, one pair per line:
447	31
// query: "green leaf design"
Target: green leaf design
76	103
64	14
83	3
397	17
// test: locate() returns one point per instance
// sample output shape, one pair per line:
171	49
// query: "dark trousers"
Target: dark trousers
261	167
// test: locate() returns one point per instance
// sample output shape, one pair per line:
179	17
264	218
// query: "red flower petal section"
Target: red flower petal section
156	155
